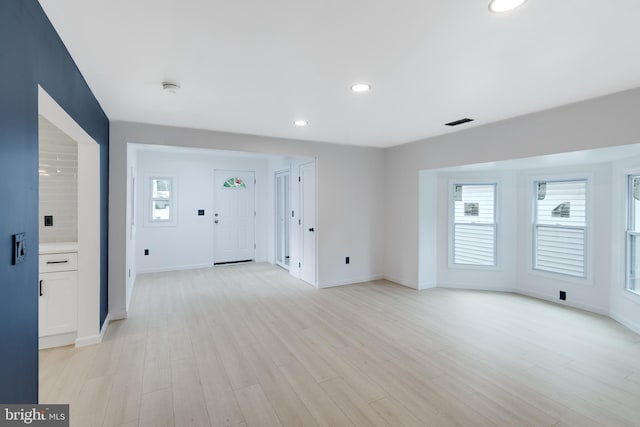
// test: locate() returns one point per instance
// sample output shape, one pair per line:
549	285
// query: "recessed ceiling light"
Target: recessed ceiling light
500	6
301	123
361	87
170	87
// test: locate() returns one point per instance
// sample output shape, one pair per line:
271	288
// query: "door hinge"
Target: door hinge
299	222
299	179
299	265
254	246
293	214
254	213
254	181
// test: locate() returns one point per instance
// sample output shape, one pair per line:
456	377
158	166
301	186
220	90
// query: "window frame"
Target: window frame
452	225
587	225
628	232
149	221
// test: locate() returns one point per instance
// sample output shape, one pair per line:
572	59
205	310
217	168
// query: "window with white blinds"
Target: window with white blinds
633	234
560	227
474	224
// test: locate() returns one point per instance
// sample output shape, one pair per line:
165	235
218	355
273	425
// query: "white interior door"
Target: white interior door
234	217
308	222
283	217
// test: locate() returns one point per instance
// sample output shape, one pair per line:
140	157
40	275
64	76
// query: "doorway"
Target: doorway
282	226
234	217
84	299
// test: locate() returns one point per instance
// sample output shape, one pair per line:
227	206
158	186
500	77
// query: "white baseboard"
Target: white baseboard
402	282
573	304
94	339
634	326
56	340
451	285
117	315
427	285
173	268
105	326
86	341
353	281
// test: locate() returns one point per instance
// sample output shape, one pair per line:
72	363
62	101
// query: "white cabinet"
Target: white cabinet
58	295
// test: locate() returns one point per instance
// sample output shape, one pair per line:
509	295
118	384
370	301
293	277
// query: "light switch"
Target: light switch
19	248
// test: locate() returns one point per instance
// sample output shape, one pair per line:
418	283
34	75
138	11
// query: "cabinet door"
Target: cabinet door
58	306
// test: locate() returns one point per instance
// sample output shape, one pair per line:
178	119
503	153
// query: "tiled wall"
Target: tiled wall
58	168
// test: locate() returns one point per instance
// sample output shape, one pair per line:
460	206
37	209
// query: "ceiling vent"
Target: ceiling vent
459	122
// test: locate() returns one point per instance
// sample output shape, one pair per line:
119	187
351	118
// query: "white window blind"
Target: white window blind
474	224
633	234
560	227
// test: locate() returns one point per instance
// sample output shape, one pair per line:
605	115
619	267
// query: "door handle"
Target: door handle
41	287
215	222
311	229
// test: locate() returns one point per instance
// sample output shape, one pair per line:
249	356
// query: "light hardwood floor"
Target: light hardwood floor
248	345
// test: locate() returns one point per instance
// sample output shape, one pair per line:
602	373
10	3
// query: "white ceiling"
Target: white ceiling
255	66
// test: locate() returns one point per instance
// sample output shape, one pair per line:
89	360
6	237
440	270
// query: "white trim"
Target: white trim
174	268
361	279
89	244
90	340
634	326
53	112
470	287
531	179
147	197
95	339
59	340
497	186
571	304
404	283
117	315
427	285
105	326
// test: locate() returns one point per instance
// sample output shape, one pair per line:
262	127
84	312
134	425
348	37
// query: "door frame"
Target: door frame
287	218
215	209
301	231
88	331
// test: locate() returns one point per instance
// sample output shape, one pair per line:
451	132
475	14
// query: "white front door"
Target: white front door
308	220
234	216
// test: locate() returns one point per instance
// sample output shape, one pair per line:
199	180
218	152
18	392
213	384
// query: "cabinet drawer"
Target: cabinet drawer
58	262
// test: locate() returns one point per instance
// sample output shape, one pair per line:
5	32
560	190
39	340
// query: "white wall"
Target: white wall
602	122
514	218
603	289
190	242
350	202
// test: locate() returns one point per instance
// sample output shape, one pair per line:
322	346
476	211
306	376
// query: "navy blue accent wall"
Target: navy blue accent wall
32	53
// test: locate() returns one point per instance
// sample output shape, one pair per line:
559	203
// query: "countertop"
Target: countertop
58	248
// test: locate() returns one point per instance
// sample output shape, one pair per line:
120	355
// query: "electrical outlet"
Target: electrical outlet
146	251
200	212
563	295
346	260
